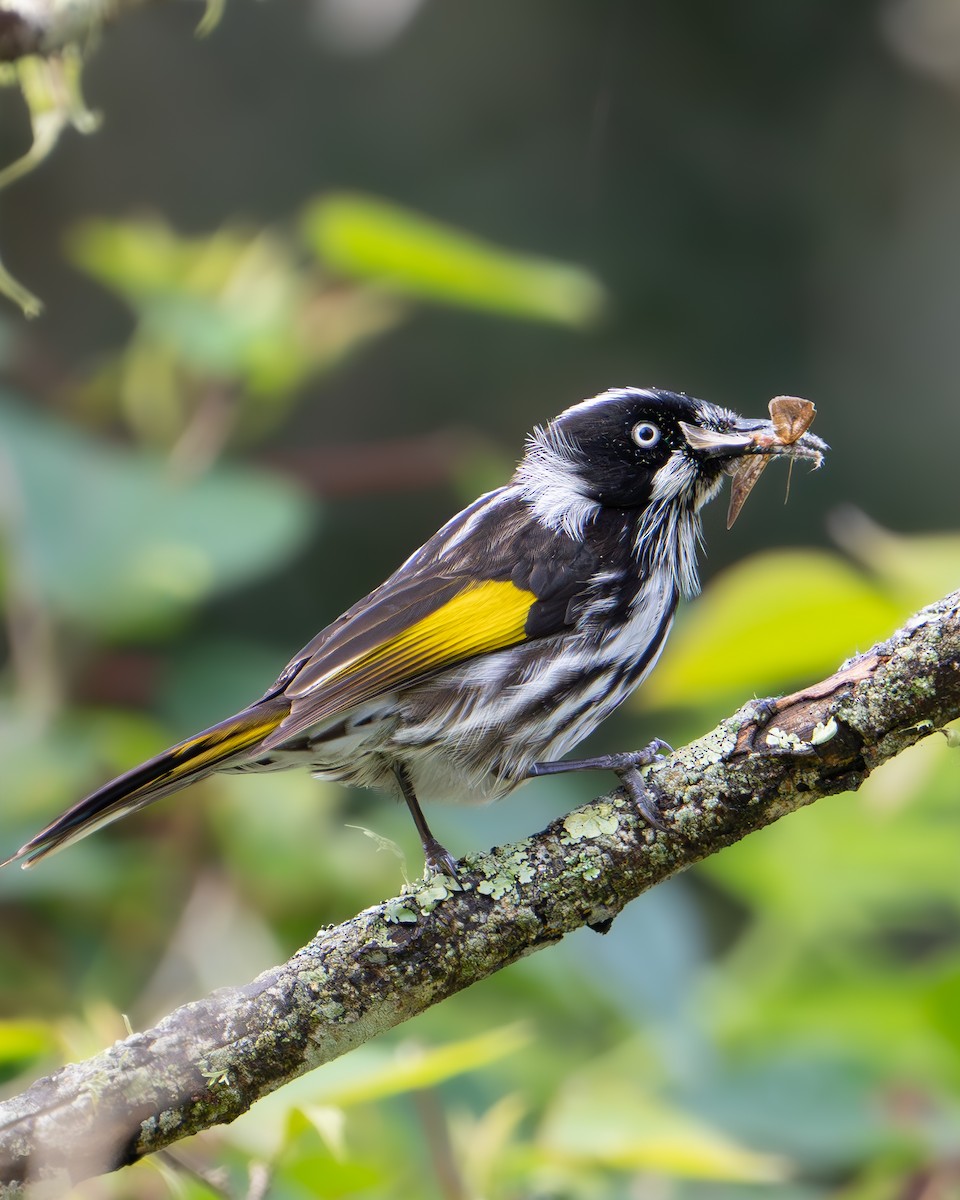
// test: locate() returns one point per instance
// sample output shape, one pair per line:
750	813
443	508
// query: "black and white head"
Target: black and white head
660	455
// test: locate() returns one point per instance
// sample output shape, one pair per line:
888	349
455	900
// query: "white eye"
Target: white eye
646	434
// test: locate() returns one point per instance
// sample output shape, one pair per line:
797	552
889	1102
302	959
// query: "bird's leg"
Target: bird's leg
436	856
626	766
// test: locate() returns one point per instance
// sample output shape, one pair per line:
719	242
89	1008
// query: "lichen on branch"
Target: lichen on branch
209	1061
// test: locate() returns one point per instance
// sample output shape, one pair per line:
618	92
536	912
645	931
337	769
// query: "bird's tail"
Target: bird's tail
188	761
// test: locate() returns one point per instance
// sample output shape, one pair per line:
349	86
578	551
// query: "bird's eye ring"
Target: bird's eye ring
645	434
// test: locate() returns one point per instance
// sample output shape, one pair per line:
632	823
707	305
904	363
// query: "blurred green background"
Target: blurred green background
307	289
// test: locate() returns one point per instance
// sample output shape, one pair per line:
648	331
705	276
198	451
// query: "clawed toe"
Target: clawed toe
644	795
439	860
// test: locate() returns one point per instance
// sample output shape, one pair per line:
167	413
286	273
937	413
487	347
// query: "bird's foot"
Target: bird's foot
439	860
626	766
645	796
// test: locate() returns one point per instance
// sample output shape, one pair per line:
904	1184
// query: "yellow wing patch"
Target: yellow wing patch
483	617
479	619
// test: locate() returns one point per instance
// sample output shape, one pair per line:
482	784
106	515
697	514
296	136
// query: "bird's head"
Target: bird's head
643	449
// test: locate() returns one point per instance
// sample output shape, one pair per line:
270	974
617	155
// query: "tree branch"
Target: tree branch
208	1062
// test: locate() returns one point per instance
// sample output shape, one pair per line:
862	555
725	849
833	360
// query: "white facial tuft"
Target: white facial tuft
551	480
552	484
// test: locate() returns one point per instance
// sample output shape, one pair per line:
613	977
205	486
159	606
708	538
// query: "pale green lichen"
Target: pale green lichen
512	869
433	891
597	821
497	887
425	893
714	746
525	872
396	912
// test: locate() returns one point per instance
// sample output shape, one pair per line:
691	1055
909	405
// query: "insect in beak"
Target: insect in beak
750	445
790	418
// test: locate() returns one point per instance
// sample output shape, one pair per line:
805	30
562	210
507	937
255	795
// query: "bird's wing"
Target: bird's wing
409	628
422	635
455	599
428	618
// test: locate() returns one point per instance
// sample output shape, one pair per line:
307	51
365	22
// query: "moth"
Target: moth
791	417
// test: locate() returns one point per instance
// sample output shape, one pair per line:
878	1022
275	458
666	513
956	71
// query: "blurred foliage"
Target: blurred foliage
230	327
780	1023
403	252
50	88
118	541
808	1041
236	309
809	609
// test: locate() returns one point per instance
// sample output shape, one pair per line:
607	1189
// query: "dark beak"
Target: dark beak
743	447
747	437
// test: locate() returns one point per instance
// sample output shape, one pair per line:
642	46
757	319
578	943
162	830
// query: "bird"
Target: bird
503	641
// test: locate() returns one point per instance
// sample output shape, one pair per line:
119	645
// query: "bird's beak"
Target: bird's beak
747	437
747	446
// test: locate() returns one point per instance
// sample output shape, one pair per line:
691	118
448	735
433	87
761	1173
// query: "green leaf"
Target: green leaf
23	1041
916	568
321	1175
228	303
604	1119
408	253
140	259
818	1109
234	304
841	955
940	1000
814	996
774	620
114	540
415	1068
369	1073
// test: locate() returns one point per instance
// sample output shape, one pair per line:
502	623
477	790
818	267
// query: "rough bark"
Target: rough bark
209	1061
